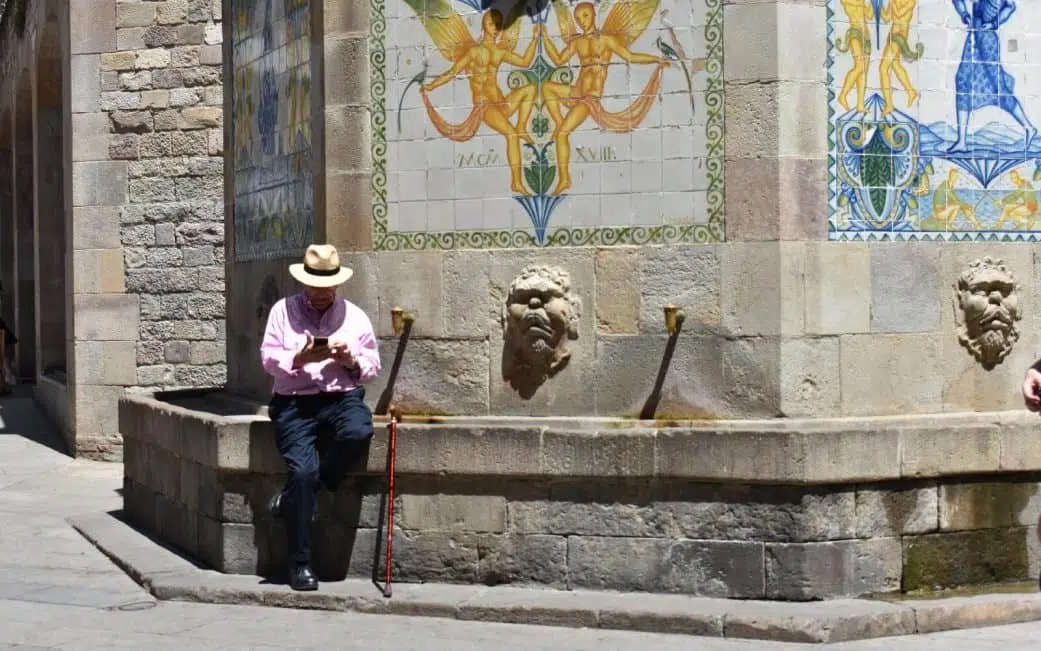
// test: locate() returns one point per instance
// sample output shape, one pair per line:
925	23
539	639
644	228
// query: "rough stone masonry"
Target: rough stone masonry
162	93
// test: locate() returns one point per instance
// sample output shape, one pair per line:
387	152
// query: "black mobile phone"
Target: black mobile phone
321	342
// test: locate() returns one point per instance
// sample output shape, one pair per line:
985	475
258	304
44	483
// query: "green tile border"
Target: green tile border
713	231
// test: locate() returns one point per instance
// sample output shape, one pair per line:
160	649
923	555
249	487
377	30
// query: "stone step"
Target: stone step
171	577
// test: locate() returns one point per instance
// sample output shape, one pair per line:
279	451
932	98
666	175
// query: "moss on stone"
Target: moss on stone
965	558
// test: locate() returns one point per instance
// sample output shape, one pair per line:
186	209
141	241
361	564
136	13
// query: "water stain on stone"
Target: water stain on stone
982	505
899	507
985	542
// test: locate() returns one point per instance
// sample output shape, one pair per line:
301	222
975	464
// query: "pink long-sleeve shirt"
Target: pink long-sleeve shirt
291	320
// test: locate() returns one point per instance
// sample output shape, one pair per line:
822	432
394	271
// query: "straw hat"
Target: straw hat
321	267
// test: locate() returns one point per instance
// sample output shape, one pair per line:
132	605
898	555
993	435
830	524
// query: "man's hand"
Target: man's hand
309	354
1032	390
342	354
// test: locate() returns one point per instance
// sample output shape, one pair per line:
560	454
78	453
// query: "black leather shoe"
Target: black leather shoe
274	507
302	578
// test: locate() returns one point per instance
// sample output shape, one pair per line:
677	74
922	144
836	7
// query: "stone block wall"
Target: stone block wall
890	312
121	179
452	362
161	100
796	329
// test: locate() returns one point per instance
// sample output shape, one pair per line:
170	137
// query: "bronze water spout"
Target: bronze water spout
398	319
674	318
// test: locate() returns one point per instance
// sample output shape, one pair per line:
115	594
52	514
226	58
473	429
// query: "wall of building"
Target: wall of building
441	219
907	209
148	108
162	100
807	259
116	121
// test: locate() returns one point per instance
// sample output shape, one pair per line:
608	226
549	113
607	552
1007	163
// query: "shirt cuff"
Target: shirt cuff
362	369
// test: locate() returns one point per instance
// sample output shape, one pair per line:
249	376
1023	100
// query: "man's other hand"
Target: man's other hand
342	354
1032	390
309	354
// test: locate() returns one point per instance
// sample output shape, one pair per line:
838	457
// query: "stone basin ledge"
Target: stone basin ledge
759	509
789	451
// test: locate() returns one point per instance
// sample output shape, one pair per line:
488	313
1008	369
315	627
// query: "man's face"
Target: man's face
320	298
539	315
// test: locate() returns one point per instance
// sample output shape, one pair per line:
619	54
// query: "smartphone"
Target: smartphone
321	342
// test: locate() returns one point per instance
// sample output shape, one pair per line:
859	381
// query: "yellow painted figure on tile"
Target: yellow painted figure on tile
947	205
858	43
923	186
1019	206
898	13
479	61
595	48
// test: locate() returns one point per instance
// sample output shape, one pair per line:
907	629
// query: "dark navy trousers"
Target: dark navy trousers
346	421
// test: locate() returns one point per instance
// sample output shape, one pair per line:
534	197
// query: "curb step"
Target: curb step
169	576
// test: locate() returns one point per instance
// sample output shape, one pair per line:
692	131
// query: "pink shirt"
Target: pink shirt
291	320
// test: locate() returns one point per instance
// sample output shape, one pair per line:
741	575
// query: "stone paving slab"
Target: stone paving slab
168	576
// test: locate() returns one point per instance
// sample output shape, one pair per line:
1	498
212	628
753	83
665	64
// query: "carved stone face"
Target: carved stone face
540	316
987	311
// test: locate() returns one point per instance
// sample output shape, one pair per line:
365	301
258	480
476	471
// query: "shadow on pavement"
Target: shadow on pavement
20	416
121	516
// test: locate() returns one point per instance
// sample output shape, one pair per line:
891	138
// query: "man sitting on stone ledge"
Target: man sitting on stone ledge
319	349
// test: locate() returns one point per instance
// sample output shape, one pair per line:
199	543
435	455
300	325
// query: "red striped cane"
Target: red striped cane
393	453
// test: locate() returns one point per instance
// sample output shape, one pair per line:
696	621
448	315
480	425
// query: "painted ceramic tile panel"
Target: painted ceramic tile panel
274	193
549	122
934	106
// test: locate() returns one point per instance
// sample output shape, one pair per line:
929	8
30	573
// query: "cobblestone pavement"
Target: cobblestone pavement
58	592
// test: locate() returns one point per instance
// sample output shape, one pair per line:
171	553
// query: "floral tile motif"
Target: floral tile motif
933	107
551	123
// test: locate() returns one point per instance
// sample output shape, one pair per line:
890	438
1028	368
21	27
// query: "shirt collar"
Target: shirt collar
304	304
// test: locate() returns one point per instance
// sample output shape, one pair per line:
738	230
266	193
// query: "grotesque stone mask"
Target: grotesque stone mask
986	311
539	317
